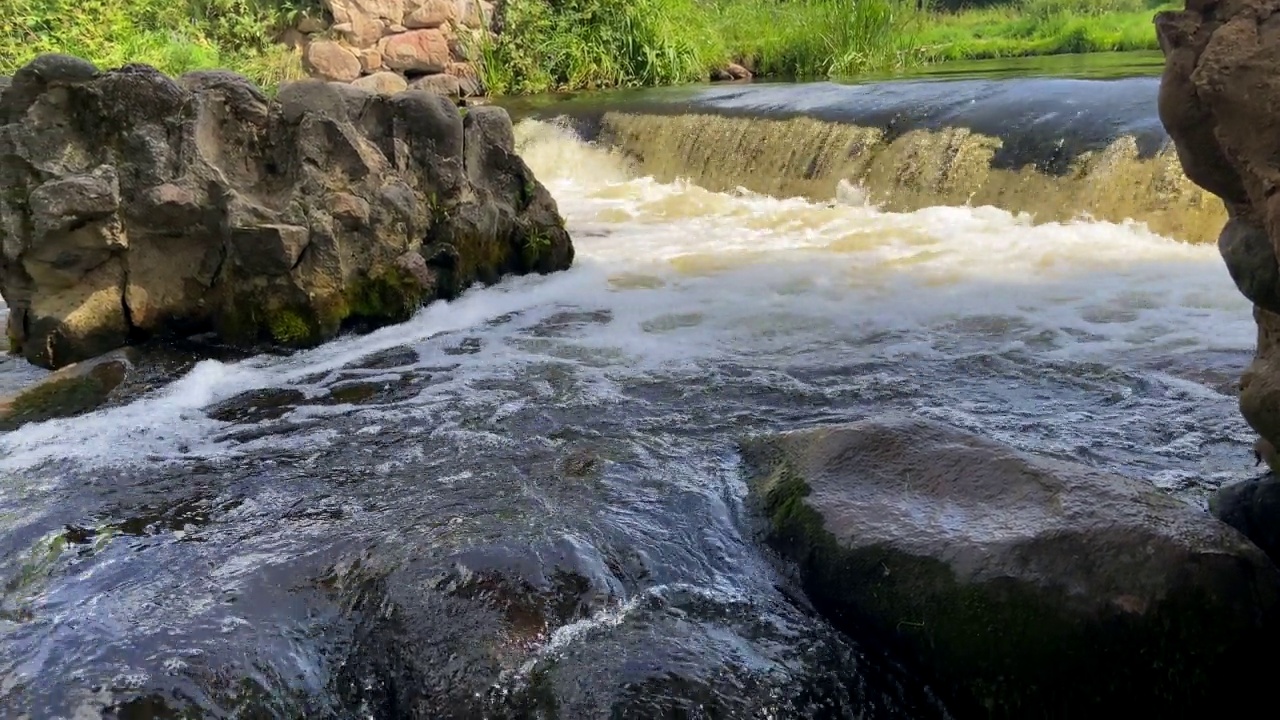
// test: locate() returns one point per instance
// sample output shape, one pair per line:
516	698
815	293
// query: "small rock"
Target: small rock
311	24
431	14
737	72
420	51
441	84
370	60
384	83
332	61
73	390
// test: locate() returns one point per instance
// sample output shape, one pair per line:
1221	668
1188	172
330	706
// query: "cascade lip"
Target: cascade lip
1042	121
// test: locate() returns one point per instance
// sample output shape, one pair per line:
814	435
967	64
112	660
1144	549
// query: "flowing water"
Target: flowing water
525	503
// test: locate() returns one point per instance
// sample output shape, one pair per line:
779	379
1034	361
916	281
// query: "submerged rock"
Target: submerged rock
135	205
1022	586
73	390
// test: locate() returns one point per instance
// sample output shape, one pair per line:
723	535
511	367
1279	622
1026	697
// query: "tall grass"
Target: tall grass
1042	27
584	44
174	35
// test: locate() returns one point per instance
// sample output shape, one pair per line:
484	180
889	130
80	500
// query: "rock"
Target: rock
1020	586
175	208
737	72
1253	508
429	13
310	24
384	83
332	61
370	60
441	84
1220	84
419	51
73	390
468	82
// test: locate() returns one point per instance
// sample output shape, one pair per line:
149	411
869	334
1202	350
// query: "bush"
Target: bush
174	35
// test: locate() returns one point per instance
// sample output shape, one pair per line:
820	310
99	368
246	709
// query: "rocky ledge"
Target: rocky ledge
1019	586
137	206
1217	97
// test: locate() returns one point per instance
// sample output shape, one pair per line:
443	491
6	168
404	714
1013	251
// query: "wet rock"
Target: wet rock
395	357
435	637
73	390
1023	586
1217	95
178	207
1253	508
257	405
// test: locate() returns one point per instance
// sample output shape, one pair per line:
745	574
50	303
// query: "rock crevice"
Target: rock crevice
137	205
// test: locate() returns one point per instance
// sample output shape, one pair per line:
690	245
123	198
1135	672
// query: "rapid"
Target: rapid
526	502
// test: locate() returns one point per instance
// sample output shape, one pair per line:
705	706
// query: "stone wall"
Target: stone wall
389	45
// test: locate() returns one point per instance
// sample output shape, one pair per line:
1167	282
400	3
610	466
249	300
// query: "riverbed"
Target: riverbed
532	507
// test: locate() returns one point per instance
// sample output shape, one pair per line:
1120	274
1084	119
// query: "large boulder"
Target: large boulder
1020	586
135	206
1217	100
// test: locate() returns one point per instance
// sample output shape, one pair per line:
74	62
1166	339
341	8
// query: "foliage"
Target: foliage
176	36
593	44
597	44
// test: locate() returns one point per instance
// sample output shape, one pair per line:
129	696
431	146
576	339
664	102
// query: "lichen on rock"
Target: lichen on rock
1019	586
137	205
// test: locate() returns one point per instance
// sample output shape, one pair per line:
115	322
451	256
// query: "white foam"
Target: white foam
693	277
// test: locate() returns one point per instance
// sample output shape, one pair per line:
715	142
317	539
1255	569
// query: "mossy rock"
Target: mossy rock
1019	587
74	390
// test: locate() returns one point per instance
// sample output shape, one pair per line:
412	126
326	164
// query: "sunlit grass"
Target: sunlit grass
587	44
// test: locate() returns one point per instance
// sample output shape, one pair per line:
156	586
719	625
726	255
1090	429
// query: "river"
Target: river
526	502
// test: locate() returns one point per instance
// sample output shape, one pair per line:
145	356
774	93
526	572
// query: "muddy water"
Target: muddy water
525	503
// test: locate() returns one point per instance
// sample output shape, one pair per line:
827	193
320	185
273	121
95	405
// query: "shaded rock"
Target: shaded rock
332	61
1253	508
440	84
176	208
257	405
1021	586
1218	92
73	390
310	24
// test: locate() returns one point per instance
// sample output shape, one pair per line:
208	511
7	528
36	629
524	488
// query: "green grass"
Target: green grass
588	44
1041	27
593	44
174	35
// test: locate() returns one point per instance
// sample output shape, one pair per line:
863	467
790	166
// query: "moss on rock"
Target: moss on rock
1119	610
389	295
63	396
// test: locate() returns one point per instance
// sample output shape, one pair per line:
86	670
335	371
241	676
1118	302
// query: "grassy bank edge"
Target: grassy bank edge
596	44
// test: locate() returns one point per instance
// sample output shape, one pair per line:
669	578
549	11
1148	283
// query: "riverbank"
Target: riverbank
595	43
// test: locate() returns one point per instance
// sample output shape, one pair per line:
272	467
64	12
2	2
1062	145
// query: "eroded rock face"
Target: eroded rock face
1217	95
1021	586
135	205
